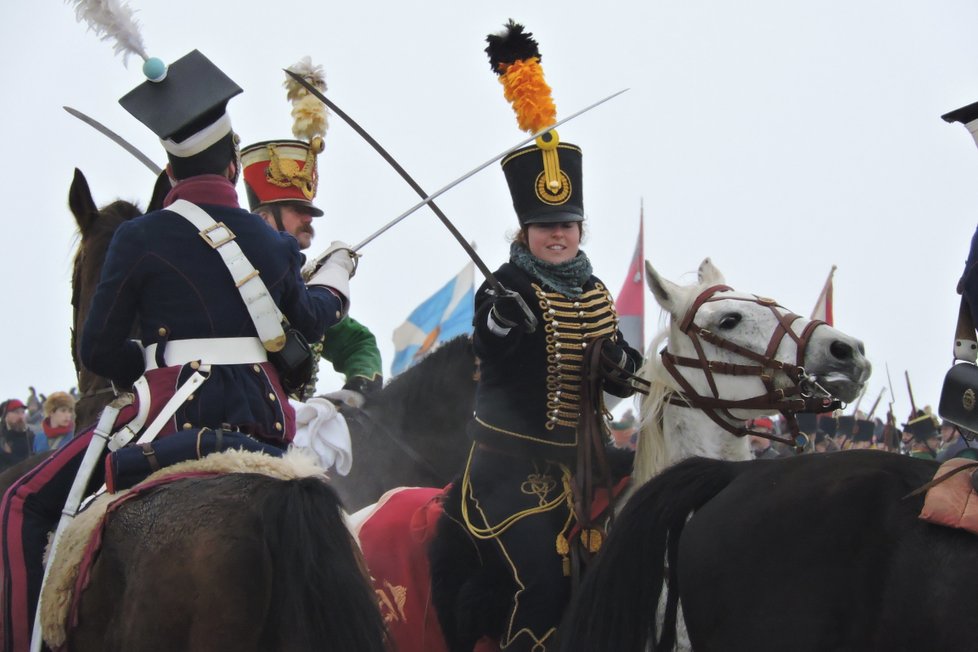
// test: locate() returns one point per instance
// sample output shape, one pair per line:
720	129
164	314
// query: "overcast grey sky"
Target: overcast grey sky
778	138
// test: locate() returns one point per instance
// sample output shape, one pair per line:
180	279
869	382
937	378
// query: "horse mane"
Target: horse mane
94	235
86	266
429	377
651	454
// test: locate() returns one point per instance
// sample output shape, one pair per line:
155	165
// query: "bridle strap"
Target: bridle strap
786	401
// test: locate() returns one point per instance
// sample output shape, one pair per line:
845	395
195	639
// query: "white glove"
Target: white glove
335	247
337	269
348	396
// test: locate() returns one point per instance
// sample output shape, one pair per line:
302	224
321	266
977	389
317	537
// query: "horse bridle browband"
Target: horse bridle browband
805	395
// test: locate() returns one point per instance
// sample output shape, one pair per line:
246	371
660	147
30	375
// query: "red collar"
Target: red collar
204	189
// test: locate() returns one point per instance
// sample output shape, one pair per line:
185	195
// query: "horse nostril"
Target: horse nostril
862	348
840	350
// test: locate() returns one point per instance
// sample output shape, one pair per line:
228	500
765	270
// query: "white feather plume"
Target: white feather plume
112	20
308	113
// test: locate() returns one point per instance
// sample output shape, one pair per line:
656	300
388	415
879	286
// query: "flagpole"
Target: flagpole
641	246
823	295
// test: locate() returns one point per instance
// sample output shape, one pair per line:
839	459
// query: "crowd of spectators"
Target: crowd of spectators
37	424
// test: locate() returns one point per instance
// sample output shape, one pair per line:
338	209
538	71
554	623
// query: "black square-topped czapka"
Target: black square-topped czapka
192	97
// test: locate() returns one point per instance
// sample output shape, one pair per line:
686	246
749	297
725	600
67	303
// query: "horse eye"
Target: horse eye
730	321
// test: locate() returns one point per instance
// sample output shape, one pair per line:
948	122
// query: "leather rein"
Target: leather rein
804	395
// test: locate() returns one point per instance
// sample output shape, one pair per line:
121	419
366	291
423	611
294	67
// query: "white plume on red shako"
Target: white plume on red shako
308	113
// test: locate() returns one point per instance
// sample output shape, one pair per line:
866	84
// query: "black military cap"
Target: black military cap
543	194
847	425
864	430
807	422
828	424
187	107
922	426
964	115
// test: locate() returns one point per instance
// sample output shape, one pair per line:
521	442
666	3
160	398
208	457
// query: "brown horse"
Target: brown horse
412	432
238	562
95	229
230	562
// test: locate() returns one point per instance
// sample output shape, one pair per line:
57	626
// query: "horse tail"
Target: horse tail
616	605
321	598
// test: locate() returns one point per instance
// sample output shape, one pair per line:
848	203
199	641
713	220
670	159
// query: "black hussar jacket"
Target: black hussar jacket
528	398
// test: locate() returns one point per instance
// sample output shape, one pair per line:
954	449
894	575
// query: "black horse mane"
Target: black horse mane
435	376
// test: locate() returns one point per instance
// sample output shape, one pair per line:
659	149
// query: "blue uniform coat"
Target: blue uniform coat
160	274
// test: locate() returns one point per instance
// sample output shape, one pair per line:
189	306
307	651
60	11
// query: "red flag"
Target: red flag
823	307
631	300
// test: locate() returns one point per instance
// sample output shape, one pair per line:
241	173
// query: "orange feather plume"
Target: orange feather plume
526	89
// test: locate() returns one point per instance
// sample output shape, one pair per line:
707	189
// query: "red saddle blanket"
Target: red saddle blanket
394	540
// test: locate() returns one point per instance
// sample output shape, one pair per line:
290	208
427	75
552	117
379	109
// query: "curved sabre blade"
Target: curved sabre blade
117	139
444	189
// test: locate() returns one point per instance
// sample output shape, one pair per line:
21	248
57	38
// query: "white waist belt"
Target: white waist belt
209	351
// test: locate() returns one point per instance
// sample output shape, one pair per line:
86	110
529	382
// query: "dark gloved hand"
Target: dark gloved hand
507	312
615	368
365	386
612	354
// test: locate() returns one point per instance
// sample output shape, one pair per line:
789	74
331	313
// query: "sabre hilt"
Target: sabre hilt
529	320
316	263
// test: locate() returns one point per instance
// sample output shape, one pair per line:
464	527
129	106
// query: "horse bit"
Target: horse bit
804	395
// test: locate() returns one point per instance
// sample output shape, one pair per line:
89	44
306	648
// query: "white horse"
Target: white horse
730	357
739	372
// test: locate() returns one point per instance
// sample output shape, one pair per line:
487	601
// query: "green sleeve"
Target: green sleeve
352	350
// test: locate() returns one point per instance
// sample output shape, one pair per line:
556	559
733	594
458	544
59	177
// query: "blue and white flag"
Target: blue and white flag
446	315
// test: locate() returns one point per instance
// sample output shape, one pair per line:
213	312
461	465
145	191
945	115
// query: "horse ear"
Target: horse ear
666	293
160	191
81	203
709	275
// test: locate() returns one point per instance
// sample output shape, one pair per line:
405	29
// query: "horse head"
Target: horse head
732	356
95	228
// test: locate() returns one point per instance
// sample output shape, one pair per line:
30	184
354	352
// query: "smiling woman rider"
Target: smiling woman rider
515	500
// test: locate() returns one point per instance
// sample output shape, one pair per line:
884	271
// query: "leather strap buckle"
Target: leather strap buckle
220	239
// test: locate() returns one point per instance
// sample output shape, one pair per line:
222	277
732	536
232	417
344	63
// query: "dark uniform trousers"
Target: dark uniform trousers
514	505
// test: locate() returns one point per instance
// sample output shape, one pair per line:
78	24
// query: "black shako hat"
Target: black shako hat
864	430
538	200
922	426
846	425
187	110
828	424
545	178
807	422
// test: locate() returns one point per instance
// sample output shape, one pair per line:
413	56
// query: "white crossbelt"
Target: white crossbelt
208	351
264	313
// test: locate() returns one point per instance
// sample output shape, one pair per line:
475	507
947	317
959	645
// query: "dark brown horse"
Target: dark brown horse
412	432
232	562
240	562
810	553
